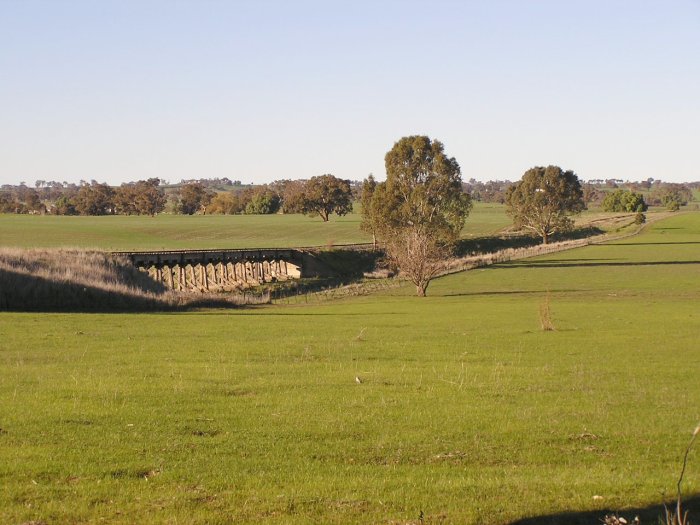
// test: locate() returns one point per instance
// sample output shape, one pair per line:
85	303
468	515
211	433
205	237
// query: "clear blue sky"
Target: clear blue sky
118	90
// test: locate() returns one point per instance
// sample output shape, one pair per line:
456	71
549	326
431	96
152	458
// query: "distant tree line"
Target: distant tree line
491	191
143	197
318	196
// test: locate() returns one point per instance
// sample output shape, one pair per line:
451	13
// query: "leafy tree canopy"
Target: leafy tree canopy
140	198
263	202
94	199
193	198
543	200
326	194
624	201
420	210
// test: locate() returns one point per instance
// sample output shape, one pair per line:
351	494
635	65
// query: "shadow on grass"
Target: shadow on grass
341	267
647	515
20	292
511	292
349	264
648	243
264	312
549	263
482	245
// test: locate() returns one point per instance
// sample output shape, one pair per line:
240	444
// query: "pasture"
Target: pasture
206	231
467	412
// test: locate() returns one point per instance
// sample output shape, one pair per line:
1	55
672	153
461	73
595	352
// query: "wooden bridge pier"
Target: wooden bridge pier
218	270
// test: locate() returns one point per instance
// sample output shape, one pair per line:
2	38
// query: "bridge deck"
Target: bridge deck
184	257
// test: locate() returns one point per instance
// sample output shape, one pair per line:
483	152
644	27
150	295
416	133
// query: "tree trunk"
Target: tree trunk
421	288
545	238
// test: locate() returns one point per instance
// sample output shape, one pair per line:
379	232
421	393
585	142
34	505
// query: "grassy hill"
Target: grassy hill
466	411
210	231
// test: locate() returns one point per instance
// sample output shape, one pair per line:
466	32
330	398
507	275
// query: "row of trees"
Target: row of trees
283	196
135	198
322	196
594	191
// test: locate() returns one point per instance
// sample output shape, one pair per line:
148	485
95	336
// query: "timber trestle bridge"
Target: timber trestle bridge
227	270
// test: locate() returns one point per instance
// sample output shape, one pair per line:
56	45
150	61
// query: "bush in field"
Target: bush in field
225	203
624	201
263	201
64	206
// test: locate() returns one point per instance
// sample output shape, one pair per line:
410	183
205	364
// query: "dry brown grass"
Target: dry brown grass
80	280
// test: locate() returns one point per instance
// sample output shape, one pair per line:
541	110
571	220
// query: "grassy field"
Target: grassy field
212	231
467	412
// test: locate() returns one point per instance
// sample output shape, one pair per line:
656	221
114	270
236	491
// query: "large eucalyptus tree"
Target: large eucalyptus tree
419	211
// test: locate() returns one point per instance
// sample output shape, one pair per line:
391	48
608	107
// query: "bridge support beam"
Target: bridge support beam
221	276
217	270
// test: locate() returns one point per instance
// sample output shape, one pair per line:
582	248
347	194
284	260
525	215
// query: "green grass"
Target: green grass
486	219
199	231
467	410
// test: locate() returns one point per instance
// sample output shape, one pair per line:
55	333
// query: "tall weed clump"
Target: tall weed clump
673	514
546	321
677	516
